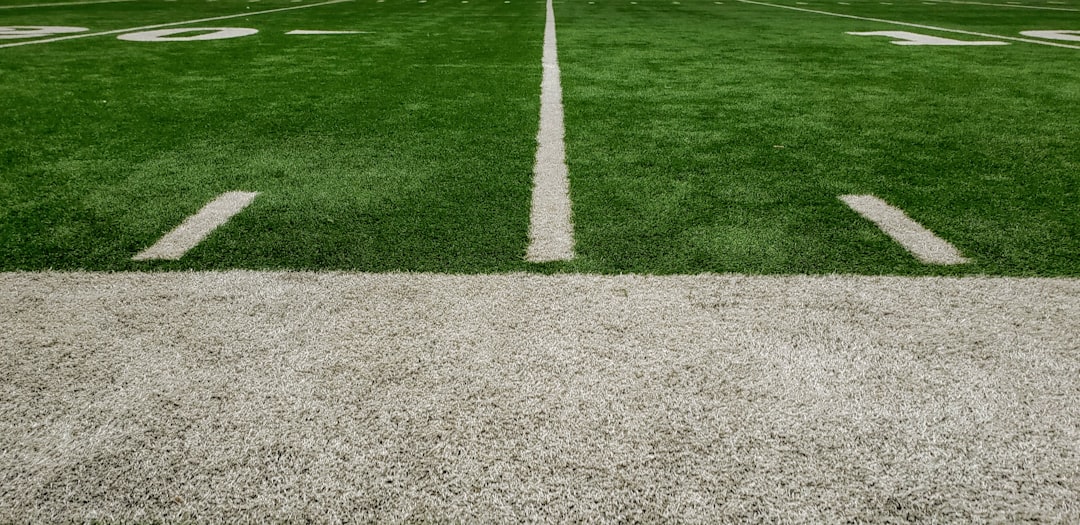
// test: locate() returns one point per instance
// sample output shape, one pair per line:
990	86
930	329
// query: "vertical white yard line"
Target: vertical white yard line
551	230
922	243
196	227
170	24
908	24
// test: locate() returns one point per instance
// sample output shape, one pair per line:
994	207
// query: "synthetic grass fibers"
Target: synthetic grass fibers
922	243
195	228
551	228
244	397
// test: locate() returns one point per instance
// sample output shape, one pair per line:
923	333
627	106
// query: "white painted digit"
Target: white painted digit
10	32
205	33
905	38
1064	34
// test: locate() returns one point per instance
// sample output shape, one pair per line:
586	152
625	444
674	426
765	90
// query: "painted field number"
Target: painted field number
202	33
907	38
12	32
1066	35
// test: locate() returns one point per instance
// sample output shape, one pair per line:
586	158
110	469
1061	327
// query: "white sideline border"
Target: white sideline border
919	241
551	228
61	4
909	24
169	24
195	228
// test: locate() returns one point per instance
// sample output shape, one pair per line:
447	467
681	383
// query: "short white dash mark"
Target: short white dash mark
922	243
551	229
318	32
196	227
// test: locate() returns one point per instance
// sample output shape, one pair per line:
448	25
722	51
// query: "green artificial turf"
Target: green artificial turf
718	137
701	137
406	148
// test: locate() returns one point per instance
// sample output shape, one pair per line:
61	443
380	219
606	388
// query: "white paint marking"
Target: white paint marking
13	32
196	227
317	32
908	24
63	3
551	229
170	24
922	243
1068	35
208	33
915	39
1020	6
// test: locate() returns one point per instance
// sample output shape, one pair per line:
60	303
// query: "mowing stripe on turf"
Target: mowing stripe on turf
551	230
908	24
196	227
1020	6
922	243
64	3
156	26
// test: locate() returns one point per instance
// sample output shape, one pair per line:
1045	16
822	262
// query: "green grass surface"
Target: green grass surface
700	137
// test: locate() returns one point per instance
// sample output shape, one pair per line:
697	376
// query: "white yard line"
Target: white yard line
196	227
170	24
1020	6
922	243
908	24
64	3
551	230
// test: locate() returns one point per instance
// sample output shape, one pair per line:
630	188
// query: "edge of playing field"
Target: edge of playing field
247	397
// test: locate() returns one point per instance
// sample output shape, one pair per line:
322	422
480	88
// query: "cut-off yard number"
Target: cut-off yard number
12	32
1068	36
201	33
905	38
181	34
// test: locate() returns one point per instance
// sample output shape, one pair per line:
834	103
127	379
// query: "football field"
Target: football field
766	261
699	136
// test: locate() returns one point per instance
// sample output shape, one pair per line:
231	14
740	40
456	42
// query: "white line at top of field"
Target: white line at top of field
908	24
169	24
54	4
1018	6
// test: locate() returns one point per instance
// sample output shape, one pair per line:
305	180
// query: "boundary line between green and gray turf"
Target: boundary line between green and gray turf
170	24
54	4
551	227
908	24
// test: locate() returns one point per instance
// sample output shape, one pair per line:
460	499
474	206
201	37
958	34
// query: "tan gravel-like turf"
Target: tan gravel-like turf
246	397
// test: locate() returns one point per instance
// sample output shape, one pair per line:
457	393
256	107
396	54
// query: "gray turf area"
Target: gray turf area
245	397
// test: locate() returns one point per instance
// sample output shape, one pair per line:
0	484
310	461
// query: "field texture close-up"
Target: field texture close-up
511	261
